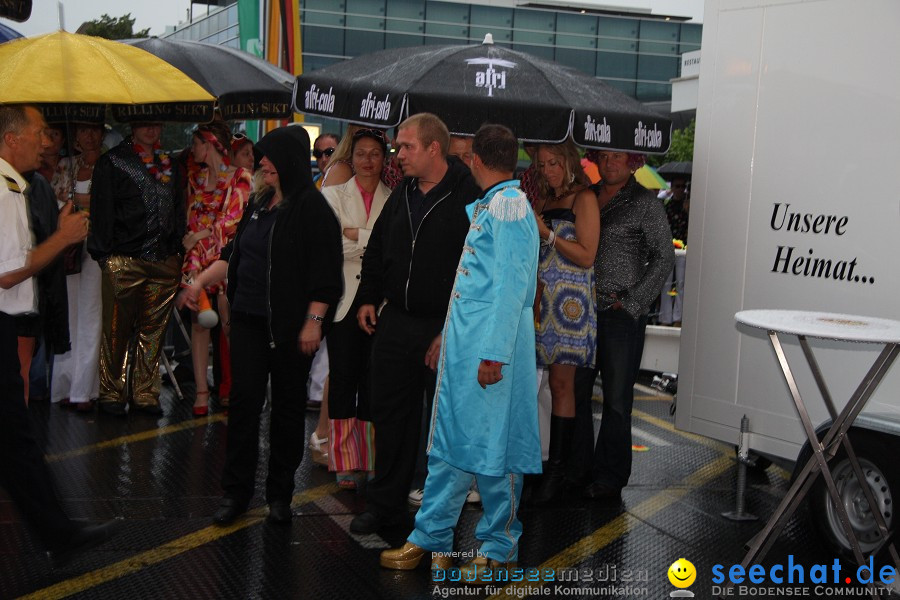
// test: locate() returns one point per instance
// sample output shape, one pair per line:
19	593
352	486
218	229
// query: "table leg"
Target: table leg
851	455
763	541
817	447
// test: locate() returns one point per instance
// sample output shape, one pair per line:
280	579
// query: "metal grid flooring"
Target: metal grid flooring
160	478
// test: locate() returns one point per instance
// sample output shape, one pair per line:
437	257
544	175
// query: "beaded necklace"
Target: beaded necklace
200	186
157	162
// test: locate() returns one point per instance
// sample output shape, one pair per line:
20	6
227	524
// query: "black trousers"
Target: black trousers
254	360
23	472
349	349
401	384
620	345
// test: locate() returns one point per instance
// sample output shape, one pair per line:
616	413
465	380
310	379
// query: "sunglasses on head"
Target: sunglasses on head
320	153
377	133
237	137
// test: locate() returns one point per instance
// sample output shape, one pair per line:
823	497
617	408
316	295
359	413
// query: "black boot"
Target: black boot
553	481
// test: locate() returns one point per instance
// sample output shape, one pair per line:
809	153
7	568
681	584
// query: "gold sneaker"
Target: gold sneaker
484	571
408	557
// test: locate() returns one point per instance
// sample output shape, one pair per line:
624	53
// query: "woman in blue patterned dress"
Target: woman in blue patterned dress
569	227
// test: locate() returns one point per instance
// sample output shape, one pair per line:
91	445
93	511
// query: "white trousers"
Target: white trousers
318	373
76	374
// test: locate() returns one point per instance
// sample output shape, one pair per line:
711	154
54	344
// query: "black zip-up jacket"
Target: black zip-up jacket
53	303
414	270
305	257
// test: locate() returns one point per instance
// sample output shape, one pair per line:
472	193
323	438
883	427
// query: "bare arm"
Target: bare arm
338	173
583	249
311	333
215	273
72	229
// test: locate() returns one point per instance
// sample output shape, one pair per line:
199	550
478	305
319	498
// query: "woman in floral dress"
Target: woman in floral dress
217	195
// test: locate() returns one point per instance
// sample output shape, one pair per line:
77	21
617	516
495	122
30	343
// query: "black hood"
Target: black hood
288	149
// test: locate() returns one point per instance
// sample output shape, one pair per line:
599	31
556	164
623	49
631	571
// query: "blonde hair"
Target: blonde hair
575	175
431	129
344	150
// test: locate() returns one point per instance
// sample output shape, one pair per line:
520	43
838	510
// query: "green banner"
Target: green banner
248	27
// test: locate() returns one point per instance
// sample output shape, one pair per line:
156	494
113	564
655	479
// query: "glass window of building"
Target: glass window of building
576	41
495	20
446	23
617	41
533	32
365	25
690	37
659	37
323	26
405	23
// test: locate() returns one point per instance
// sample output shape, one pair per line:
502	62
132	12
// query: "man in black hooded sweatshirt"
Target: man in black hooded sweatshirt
409	266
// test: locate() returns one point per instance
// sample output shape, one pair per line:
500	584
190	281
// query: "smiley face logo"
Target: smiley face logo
682	573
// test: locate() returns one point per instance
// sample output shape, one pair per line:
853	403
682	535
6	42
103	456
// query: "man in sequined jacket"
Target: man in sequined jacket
137	222
634	257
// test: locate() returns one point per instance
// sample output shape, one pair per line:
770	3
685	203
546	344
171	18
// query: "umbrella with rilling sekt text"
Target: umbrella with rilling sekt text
245	86
540	100
71	70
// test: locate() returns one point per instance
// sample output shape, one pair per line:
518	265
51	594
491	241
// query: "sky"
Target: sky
157	14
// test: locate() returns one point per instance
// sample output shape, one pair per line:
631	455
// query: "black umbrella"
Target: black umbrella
540	100
675	169
8	33
245	86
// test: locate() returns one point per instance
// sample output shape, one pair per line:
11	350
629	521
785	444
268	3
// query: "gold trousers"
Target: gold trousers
137	303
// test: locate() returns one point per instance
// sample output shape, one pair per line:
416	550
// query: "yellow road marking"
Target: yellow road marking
168	550
602	537
136	437
705	441
655	398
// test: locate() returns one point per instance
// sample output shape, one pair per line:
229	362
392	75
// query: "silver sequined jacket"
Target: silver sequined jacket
635	254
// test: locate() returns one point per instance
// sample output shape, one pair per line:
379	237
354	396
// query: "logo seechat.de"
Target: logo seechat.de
793	573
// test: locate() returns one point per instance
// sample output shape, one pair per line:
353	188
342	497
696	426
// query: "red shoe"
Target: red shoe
203	410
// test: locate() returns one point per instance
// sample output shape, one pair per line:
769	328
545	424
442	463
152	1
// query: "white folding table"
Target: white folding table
830	326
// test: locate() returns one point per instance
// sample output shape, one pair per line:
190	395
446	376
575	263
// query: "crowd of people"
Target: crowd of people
440	281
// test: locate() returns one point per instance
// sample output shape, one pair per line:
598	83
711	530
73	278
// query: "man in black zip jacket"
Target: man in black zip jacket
409	265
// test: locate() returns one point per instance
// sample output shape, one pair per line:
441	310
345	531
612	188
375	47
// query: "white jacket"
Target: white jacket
348	205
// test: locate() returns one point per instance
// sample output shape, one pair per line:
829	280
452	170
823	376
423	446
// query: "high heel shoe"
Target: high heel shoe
319	449
346	480
201	411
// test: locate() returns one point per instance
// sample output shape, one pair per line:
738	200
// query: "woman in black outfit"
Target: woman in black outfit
284	281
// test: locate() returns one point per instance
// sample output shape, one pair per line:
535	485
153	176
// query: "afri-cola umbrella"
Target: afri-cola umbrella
540	100
245	86
71	69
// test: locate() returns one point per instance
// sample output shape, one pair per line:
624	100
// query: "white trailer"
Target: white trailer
795	205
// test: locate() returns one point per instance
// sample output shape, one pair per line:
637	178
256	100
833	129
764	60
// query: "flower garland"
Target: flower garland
161	171
199	185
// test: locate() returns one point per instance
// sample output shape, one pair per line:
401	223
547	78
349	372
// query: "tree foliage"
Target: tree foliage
113	28
681	149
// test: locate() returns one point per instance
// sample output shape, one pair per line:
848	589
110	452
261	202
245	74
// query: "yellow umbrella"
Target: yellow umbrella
67	67
650	179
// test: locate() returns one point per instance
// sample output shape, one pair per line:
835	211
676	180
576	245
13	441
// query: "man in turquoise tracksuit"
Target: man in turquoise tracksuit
484	420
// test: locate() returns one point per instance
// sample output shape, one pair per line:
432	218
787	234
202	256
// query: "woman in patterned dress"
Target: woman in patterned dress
217	195
569	227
